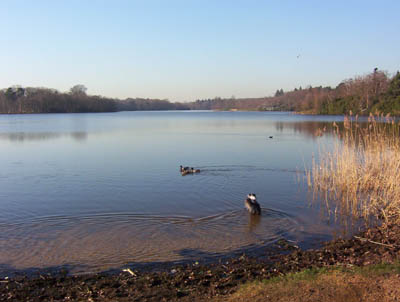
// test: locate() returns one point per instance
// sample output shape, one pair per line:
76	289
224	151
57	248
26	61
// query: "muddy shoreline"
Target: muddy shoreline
198	281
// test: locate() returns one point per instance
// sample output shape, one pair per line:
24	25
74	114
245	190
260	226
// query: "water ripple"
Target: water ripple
107	240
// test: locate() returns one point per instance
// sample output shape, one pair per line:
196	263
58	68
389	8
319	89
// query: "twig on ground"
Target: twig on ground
129	271
374	242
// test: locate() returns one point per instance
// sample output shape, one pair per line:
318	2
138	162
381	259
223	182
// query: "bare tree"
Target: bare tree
78	90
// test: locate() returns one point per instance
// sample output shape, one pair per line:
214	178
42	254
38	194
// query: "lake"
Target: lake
94	192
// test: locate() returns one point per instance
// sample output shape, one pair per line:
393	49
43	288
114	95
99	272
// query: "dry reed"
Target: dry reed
360	175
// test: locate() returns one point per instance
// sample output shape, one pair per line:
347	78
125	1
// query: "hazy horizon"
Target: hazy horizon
186	50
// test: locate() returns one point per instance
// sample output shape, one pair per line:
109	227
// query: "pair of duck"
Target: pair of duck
188	170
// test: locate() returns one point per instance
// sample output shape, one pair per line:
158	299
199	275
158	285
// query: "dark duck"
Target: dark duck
252	205
183	169
188	170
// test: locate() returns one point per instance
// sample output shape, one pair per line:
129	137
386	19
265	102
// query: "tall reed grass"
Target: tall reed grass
360	176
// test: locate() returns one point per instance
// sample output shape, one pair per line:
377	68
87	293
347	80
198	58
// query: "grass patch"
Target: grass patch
377	269
305	275
325	284
313	273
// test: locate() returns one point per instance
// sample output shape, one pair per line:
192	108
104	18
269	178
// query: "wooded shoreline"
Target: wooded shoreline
371	93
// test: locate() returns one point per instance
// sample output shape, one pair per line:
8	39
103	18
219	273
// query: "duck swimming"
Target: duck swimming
252	205
183	169
188	170
193	170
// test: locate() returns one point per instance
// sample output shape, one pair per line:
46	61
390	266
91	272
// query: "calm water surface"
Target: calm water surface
98	191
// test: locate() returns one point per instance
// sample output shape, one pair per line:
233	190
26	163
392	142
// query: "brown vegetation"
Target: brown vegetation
360	176
362	95
325	286
44	100
139	104
16	100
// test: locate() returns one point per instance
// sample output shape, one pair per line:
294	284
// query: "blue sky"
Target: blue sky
185	50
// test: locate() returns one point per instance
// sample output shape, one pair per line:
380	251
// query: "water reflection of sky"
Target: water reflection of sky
21	128
89	179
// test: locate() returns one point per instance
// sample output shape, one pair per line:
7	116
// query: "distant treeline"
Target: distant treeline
362	95
18	99
44	100
149	104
